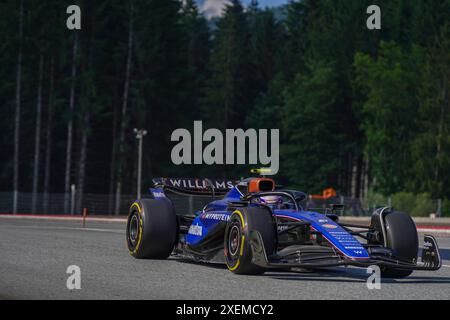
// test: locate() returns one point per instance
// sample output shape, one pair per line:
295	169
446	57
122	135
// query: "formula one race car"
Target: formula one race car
254	227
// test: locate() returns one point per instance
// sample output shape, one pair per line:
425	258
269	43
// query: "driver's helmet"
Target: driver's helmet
271	201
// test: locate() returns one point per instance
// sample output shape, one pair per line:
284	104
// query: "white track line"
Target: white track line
123	220
56	218
433	230
68	228
422	230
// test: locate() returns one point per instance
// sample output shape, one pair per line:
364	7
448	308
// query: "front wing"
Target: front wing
431	259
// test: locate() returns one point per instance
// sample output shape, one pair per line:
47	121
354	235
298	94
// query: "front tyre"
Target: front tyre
402	239
238	253
151	229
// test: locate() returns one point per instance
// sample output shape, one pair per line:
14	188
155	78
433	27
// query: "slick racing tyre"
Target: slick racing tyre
151	229
402	239
238	253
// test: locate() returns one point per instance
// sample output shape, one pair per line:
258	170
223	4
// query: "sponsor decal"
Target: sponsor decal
196	230
216	216
282	228
197	184
159	194
329	226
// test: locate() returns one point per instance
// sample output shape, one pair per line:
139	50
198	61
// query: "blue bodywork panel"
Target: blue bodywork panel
215	214
344	242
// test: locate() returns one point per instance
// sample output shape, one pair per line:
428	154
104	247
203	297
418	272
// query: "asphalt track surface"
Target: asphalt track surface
34	256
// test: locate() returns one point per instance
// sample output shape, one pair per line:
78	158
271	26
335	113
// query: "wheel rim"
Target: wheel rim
133	229
234	240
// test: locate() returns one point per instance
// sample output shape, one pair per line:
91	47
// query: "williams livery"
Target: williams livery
252	226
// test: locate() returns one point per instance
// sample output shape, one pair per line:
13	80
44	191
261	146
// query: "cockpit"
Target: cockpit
263	191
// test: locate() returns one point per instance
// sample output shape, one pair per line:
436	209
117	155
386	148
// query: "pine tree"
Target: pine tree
125	102
195	54
389	113
431	147
311	137
228	97
263	50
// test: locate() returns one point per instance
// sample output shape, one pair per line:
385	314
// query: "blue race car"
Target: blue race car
252	226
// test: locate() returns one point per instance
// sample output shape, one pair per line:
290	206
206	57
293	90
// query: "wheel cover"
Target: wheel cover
233	244
234	240
133	229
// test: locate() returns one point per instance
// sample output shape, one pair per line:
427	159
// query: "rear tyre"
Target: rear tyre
238	253
402	239
151	229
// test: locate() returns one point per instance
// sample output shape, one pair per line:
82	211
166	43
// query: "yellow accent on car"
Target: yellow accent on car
137	206
234	267
241	252
140	228
241	216
261	170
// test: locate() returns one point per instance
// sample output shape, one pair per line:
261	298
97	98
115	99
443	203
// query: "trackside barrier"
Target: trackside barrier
104	204
95	204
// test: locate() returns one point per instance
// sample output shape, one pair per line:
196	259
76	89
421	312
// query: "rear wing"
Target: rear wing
195	186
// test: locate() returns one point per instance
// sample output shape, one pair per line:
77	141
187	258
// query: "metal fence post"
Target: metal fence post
118	191
15	201
72	199
140	133
439	208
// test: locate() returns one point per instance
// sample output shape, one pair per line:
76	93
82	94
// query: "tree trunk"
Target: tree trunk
359	165
367	175
70	125
348	188
124	111
17	115
444	105
362	184
354	177
37	144
48	146
113	165
82	163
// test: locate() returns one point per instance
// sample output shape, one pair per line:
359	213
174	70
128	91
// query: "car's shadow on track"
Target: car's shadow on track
207	264
352	275
338	274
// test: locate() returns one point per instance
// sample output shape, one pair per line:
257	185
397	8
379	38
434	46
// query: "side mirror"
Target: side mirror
333	217
337	209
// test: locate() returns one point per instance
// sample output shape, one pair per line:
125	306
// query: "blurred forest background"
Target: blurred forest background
363	111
